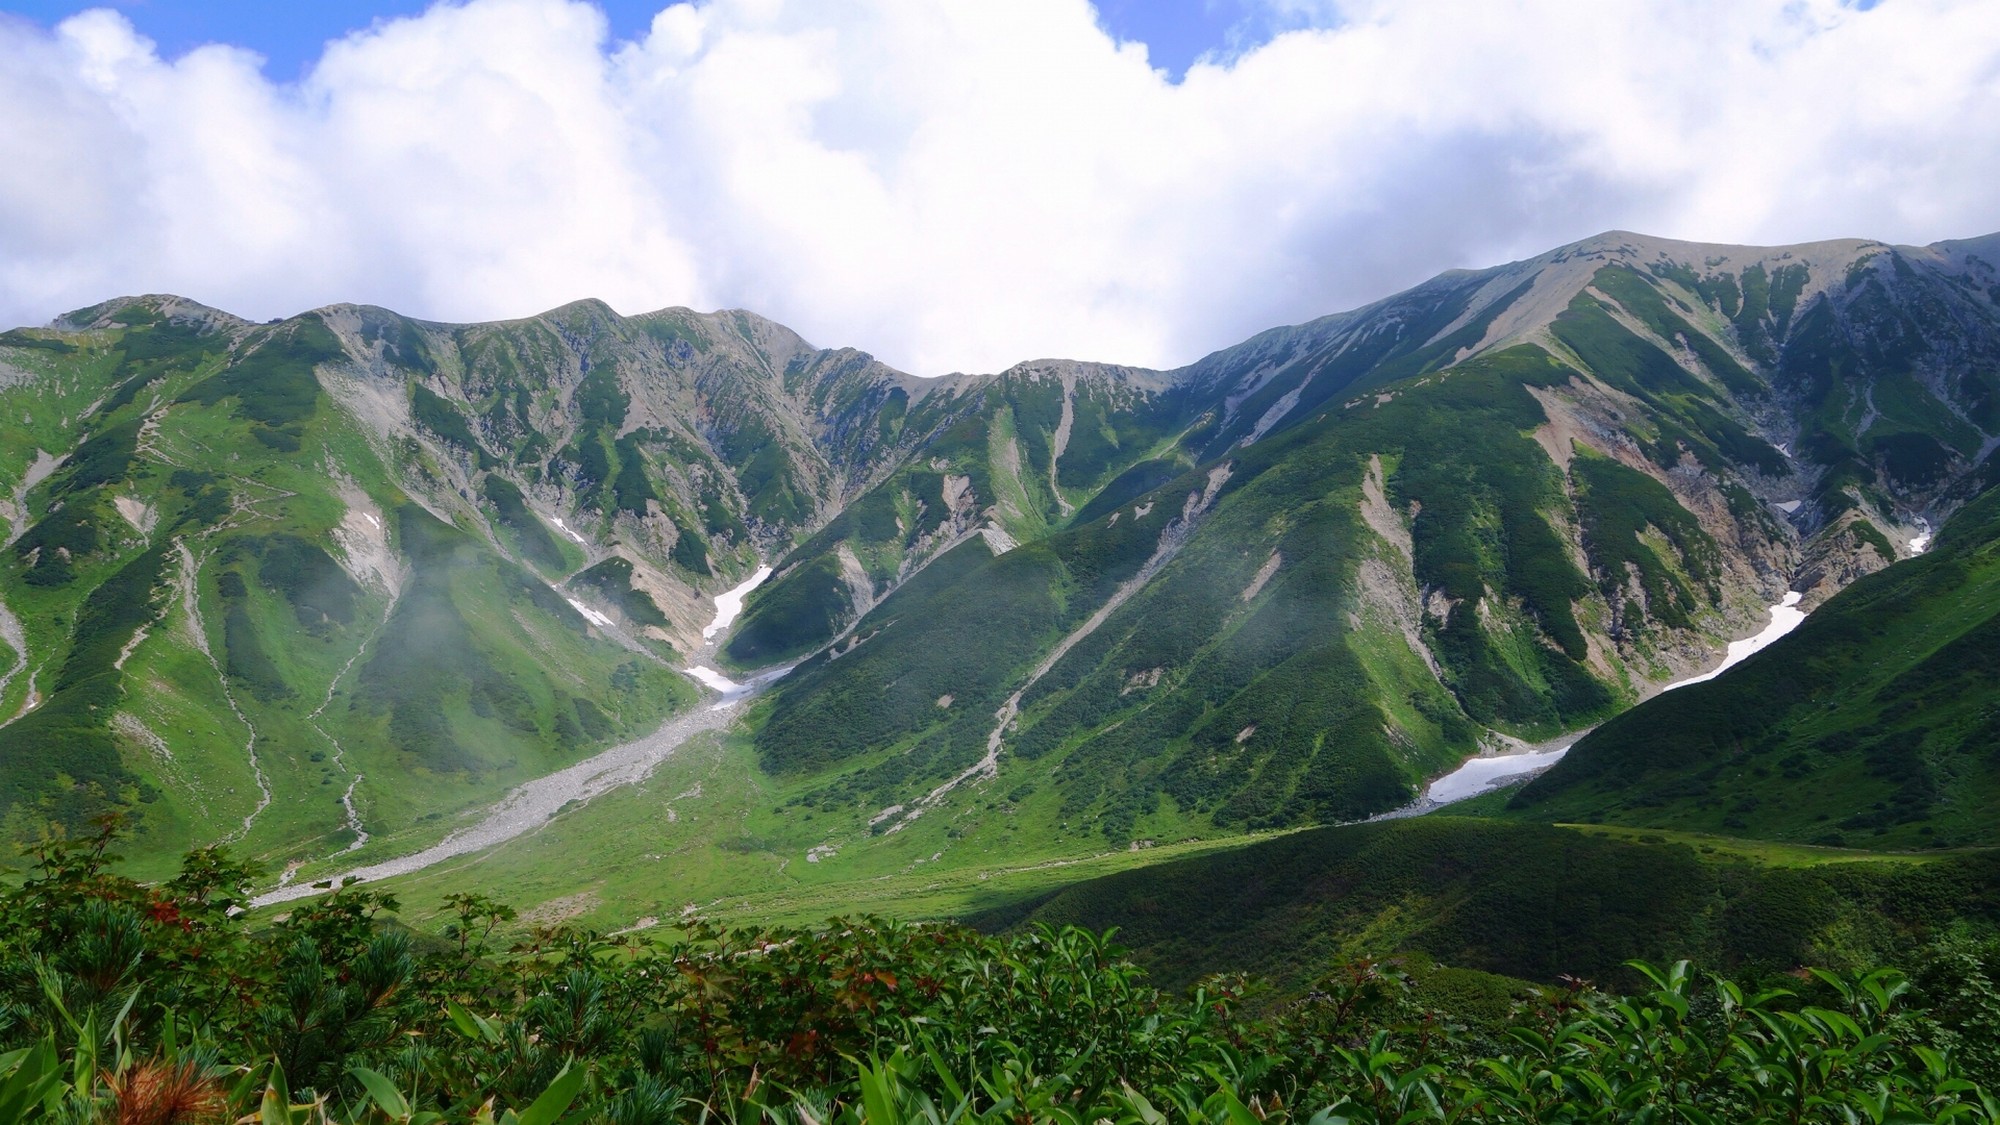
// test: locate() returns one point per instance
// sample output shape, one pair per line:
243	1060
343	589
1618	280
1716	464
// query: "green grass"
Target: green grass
435	413
1214	701
1527	901
709	830
1764	853
538	545
791	617
231	459
612	578
1616	505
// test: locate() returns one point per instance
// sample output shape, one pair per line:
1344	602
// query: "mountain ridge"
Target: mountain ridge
1561	479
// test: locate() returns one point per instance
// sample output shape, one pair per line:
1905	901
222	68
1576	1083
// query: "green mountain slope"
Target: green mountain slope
230	613
1506	503
1875	723
354	573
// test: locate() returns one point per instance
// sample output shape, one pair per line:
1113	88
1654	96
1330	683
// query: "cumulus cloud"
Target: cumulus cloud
966	184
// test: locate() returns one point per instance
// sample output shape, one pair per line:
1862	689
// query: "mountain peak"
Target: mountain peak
150	308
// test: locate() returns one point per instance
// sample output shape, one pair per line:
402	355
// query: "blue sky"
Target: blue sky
290	33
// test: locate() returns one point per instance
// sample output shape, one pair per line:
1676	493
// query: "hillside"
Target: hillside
1506	503
1875	724
1527	901
337	580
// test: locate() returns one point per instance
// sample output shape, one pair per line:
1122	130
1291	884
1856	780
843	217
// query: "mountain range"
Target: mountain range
322	586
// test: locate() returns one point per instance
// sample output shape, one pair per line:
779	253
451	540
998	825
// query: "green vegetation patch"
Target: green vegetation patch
631	489
793	616
855	1020
533	538
1526	901
320	592
1616	505
273	381
483	674
59	763
612	578
440	416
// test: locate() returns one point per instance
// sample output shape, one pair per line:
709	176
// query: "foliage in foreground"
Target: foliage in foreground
122	1002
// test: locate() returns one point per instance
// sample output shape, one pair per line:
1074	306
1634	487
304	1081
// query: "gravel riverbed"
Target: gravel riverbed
535	803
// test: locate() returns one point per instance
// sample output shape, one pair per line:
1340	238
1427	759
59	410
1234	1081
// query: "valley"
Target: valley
632	615
532	805
1080	562
1479	775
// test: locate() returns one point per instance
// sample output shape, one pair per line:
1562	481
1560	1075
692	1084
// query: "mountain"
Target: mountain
250	566
1342	556
1874	724
349	572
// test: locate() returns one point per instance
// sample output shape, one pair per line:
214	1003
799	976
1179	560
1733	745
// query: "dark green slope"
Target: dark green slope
1875	723
1529	901
1302	700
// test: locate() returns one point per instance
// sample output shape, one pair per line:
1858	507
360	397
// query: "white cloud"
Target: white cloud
964	184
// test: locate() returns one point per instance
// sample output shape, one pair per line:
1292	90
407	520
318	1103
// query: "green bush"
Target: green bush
133	1003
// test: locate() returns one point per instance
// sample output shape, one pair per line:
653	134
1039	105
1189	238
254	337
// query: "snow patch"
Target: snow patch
1482	774
589	614
1785	617
565	529
729	603
713	679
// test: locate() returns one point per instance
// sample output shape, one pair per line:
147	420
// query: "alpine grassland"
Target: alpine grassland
213	623
1282	586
